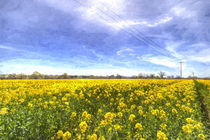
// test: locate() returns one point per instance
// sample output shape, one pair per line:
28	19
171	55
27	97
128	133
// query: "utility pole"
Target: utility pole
181	68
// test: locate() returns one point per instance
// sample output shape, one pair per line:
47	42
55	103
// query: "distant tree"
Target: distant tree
3	76
92	77
36	75
11	76
21	76
161	74
63	76
111	76
178	77
134	77
140	75
152	76
192	77
118	76
168	77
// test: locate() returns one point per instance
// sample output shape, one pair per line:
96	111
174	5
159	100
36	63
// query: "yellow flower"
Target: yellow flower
155	112
93	137
73	115
83	126
161	135
30	105
133	107
187	128
101	138
66	103
3	111
21	100
88	117
120	114
117	127
78	136
84	114
140	107
198	126
201	136
110	129
67	135
99	111
168	104
163	126
131	117
59	134
174	111
109	116
64	99
54	98
138	126
140	112
189	120
103	123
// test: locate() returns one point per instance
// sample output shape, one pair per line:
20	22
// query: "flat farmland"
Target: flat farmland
103	109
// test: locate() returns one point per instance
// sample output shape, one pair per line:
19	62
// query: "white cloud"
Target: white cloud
95	9
7	47
178	11
122	24
29	66
161	60
88	9
107	12
202	56
196	52
66	6
160	21
192	55
172	48
125	51
183	10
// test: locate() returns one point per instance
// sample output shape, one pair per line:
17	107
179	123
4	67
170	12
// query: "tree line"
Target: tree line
37	75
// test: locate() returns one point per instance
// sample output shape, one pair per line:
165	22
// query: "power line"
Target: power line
131	32
147	40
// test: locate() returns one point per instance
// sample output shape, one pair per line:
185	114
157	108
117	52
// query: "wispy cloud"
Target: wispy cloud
161	60
125	51
195	52
7	47
31	65
116	34
123	24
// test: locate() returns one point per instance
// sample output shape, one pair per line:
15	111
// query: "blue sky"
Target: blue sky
104	37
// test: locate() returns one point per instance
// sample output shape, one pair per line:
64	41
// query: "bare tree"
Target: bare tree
161	74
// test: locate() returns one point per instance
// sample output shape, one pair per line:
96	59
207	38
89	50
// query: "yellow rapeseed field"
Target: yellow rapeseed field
206	82
100	109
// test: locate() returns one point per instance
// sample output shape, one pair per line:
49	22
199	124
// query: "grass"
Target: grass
204	97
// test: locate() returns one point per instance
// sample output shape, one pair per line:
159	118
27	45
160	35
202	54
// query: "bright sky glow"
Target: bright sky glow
104	37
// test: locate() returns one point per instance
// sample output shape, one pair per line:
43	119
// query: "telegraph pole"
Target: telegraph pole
181	68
